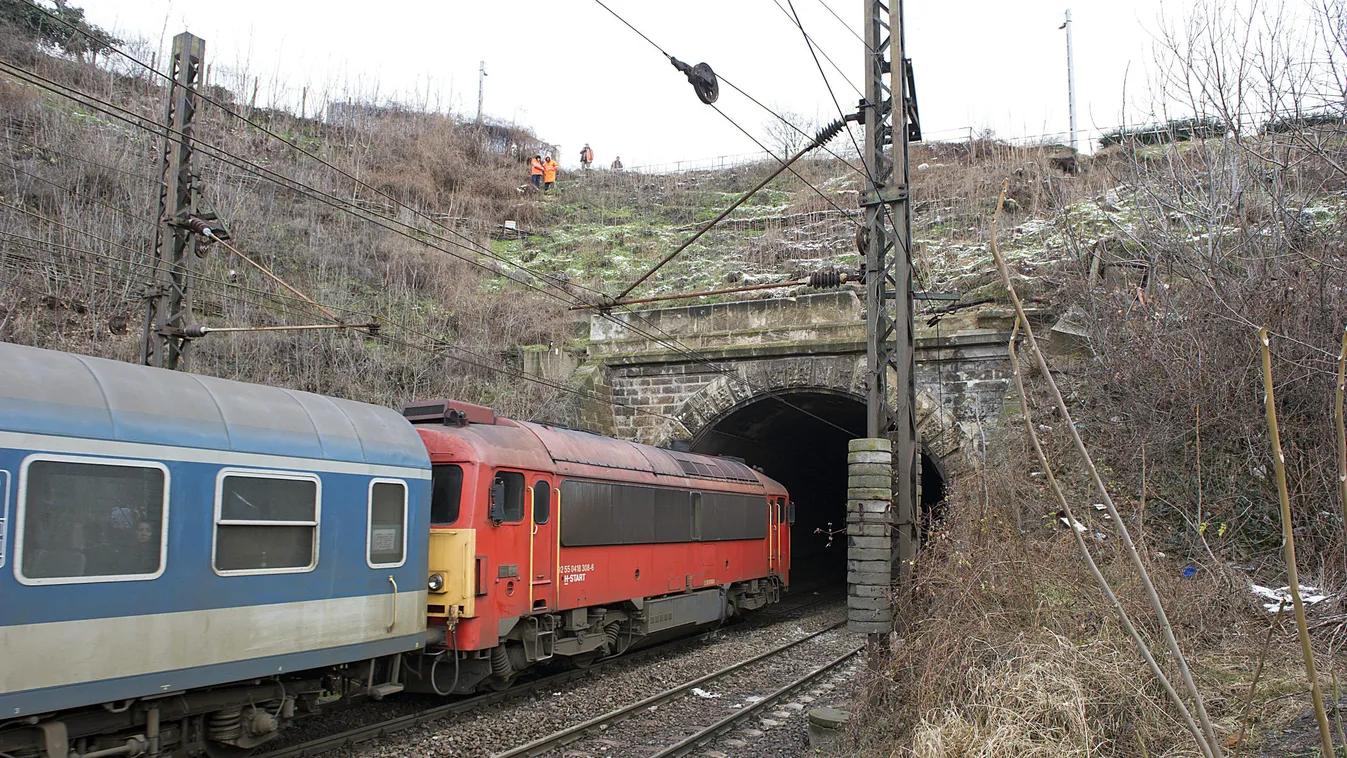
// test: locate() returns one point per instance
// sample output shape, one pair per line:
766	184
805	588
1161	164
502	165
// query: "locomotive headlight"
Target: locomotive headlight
436	582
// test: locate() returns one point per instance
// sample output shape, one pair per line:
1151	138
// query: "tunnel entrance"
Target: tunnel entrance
800	439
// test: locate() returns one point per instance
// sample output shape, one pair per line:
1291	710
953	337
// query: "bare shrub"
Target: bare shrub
78	225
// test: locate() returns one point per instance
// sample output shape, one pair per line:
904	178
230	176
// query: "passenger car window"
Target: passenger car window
542	502
514	494
387	533
91	521
266	523
4	513
446	494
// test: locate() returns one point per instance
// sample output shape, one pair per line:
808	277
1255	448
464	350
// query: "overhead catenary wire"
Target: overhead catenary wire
73	192
142	121
791	14
823	136
221	154
436	349
262	128
854	33
884	207
46	149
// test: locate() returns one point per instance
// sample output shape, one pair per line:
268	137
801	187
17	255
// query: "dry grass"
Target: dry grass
1011	650
76	282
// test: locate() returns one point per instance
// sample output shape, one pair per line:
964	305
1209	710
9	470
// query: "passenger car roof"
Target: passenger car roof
54	393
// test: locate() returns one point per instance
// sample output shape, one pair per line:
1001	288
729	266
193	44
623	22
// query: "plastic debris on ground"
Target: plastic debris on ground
1077	525
699	692
1282	595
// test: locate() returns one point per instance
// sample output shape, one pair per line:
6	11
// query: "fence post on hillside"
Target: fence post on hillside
168	309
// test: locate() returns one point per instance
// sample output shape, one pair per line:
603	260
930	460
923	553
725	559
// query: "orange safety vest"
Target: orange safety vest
535	167
589	156
550	171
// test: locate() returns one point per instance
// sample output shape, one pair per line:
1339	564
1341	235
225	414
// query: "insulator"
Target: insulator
829	278
828	132
200	227
194	331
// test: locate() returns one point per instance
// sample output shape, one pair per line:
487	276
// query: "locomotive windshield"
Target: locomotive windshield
446	493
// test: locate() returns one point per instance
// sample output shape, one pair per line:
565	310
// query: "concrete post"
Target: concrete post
869	546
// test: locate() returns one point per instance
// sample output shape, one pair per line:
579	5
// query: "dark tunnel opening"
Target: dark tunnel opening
802	443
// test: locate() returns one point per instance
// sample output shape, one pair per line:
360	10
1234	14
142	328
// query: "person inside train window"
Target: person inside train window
141	555
81	519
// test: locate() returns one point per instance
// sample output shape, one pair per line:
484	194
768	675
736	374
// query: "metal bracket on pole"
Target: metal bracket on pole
168	307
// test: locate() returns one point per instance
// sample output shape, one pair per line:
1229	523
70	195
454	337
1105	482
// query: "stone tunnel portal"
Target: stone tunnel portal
799	438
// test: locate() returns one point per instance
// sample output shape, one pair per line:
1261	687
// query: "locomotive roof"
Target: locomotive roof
49	392
506	442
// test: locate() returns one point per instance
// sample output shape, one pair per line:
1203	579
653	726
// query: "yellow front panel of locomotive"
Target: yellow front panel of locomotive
453	554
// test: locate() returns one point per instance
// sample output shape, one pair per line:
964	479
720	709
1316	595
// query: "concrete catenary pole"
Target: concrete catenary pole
1070	78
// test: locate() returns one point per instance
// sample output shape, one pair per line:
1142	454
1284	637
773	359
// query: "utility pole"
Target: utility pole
481	84
882	488
1070	77
167	311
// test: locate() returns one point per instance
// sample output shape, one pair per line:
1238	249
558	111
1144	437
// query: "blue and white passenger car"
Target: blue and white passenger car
188	562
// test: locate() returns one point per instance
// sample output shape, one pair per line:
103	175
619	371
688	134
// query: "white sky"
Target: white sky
575	74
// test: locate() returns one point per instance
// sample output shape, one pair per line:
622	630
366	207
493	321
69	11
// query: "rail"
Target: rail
724	725
570	734
469	704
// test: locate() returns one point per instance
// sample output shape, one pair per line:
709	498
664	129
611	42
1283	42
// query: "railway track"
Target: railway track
564	737
473	703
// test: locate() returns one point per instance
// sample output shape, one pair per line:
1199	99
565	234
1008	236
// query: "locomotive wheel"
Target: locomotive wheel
500	685
585	661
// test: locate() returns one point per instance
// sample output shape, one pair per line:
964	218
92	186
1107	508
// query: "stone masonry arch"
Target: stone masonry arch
662	376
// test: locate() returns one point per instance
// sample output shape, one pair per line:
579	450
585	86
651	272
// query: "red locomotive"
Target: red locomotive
554	544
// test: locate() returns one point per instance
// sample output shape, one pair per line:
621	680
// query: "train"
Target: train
189	564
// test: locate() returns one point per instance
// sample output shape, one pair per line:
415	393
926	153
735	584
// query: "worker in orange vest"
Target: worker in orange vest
586	157
549	173
536	171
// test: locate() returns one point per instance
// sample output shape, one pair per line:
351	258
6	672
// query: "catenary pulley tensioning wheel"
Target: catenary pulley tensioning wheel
702	79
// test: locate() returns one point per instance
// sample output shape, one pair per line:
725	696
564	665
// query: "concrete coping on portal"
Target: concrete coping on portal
836	307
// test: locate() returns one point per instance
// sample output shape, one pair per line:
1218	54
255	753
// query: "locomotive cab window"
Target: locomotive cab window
542	502
90	520
386	537
265	523
446	494
507	497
